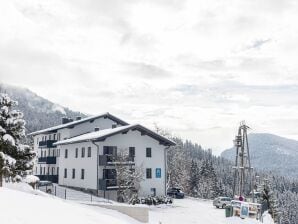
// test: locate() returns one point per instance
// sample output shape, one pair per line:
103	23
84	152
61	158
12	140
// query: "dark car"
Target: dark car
175	192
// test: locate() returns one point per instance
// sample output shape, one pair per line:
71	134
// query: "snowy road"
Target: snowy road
196	211
190	211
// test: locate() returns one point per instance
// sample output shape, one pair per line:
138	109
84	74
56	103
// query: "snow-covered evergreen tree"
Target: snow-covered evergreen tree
269	200
193	179
15	158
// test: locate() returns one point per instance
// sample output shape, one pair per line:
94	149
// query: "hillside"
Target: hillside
38	112
271	153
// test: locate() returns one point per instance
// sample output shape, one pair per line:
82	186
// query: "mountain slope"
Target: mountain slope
38	112
272	153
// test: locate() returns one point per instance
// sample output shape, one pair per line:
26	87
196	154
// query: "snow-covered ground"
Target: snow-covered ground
194	211
20	204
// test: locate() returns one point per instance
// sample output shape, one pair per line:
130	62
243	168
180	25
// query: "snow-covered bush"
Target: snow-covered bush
151	200
31	180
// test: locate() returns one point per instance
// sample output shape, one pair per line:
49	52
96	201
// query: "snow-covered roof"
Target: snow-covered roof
73	123
103	134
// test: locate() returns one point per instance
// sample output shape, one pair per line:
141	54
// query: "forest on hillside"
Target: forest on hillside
200	174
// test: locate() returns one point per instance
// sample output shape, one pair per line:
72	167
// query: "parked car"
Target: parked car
46	186
222	202
175	193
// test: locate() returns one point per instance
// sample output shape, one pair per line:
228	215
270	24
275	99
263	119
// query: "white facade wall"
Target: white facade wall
122	141
89	164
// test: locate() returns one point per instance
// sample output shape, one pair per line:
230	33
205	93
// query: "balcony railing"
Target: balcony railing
107	184
47	144
47	160
52	178
110	160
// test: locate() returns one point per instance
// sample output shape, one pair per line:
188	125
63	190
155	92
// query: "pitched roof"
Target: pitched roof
103	134
73	123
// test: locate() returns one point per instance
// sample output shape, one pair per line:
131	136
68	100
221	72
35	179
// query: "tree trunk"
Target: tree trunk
1	177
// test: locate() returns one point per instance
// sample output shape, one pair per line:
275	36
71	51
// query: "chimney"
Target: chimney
64	120
96	129
78	118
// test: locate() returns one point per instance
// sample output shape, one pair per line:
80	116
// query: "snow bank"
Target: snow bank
25	208
267	219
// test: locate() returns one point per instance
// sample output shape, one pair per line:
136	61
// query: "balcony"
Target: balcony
111	160
47	160
107	184
47	144
52	178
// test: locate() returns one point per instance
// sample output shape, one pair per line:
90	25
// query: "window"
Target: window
73	173
66	153
148	152
53	170
65	173
153	191
44	171
57	170
41	153
83	152
82	174
58	136
40	170
132	152
48	171
114	125
89	151
110	150
54	138
77	152
158	172
148	173
109	173
50	137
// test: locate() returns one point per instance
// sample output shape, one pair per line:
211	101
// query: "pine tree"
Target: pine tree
193	179
269	200
15	158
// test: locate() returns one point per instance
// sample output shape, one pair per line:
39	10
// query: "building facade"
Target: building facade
81	154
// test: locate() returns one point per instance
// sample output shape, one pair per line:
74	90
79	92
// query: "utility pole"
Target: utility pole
243	169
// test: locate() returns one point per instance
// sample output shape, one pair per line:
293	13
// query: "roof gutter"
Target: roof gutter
166	167
97	164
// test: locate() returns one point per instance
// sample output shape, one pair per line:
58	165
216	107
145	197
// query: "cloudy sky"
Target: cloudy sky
194	67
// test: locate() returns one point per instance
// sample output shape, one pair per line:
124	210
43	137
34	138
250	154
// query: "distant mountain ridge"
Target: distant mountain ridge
39	112
271	153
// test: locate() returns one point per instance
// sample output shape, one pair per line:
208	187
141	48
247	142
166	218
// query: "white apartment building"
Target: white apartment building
80	154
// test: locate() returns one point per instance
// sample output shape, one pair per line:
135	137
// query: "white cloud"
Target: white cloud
195	67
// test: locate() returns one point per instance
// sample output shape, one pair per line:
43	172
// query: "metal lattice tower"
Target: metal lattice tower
243	170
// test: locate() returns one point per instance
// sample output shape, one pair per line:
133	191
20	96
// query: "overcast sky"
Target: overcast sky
194	67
